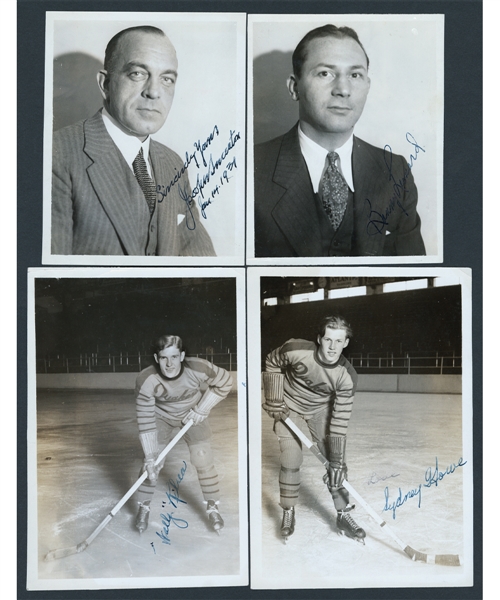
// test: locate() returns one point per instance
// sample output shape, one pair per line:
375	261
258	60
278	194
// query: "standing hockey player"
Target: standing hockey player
169	393
314	382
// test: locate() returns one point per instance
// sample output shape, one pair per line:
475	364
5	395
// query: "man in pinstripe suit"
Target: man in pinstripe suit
376	196
100	203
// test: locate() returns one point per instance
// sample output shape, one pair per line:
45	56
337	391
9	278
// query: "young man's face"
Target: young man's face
332	88
170	361
331	345
139	90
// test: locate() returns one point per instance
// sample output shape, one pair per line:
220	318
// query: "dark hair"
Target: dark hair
165	341
300	53
114	41
334	322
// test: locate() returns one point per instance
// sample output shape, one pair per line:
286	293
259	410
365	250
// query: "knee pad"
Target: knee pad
291	453
201	455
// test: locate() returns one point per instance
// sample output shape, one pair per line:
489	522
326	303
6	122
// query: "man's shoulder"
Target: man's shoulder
273	146
145	374
298	345
164	152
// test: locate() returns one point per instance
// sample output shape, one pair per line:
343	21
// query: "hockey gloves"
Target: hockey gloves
337	469
149	443
273	391
201	411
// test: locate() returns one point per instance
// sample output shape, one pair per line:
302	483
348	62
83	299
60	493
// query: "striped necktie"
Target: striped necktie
145	181
334	192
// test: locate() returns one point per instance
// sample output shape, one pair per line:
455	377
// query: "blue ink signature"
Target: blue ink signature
215	192
432	477
173	487
167	520
378	221
374	478
400	500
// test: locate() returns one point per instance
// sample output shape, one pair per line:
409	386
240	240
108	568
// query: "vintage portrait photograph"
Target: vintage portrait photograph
345	162
144	149
360	408
136	429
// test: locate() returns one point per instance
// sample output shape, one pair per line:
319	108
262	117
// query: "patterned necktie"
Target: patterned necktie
334	192
145	181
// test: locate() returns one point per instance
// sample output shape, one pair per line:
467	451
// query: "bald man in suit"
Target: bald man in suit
319	190
115	191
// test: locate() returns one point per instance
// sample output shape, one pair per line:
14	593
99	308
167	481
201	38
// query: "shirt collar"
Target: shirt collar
315	156
129	145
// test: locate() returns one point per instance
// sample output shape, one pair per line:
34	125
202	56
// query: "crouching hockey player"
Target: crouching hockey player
316	383
168	394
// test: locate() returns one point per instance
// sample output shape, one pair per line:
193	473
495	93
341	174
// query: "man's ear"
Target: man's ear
183	354
102	82
292	87
156	357
346	343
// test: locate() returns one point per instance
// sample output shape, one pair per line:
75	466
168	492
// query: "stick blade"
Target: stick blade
63	552
449	560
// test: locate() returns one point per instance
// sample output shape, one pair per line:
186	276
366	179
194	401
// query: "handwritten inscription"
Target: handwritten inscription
432	477
214	170
374	478
378	222
168	519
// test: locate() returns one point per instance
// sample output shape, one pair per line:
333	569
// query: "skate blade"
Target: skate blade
355	539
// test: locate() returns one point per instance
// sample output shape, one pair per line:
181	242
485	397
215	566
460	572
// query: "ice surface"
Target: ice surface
89	455
392	440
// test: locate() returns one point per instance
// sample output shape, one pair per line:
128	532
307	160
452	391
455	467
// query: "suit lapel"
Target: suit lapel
295	212
370	195
107	177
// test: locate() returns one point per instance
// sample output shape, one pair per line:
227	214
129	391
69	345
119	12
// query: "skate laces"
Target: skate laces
212	509
144	507
287	517
349	520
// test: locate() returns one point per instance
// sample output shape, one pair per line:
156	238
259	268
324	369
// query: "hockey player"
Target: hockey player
169	393
316	383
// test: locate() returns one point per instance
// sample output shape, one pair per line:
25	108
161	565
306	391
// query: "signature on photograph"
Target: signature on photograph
378	221
432	477
173	499
213	171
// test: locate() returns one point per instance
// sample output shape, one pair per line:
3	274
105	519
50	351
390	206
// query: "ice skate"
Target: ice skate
214	517
141	521
346	525
288	523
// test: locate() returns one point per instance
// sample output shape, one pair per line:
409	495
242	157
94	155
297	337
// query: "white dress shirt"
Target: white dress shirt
315	157
128	145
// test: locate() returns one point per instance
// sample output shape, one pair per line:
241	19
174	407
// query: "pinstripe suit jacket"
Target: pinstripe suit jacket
288	221
99	208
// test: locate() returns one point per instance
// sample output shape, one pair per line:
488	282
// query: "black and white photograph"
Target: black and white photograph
137	429
144	157
346	118
360	410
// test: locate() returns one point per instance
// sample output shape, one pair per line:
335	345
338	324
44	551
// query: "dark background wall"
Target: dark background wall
424	320
124	315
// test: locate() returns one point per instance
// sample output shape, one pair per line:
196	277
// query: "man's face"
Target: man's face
170	361
139	90
332	88
331	345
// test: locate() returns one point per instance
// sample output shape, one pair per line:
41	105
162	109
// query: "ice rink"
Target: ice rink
393	440
88	456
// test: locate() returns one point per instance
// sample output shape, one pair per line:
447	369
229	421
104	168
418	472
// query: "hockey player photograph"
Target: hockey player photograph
360	428
138	434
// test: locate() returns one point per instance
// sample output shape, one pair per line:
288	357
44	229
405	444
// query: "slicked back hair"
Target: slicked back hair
165	341
109	55
334	322
300	53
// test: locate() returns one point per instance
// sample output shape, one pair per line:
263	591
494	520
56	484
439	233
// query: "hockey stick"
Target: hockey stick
62	552
438	559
